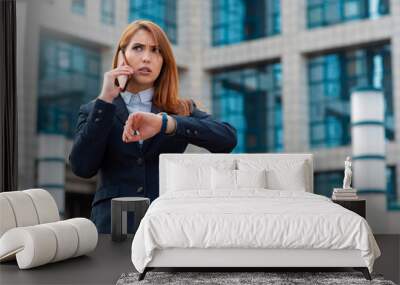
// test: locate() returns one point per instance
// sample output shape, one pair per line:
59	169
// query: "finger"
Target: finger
125	67
125	134
130	121
120	72
131	135
134	125
124	138
127	137
116	73
132	138
131	128
138	120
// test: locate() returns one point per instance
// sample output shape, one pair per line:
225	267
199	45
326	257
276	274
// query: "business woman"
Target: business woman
121	134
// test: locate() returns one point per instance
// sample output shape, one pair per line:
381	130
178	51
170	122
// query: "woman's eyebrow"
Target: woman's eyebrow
140	44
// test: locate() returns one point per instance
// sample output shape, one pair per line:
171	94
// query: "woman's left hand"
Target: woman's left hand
146	124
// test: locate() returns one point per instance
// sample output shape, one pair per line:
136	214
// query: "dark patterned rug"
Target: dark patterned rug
229	278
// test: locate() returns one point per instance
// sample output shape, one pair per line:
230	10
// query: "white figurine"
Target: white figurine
347	173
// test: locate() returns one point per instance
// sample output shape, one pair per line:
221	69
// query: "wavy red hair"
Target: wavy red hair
166	92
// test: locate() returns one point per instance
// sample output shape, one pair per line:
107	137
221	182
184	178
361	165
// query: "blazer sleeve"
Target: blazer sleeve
94	124
202	130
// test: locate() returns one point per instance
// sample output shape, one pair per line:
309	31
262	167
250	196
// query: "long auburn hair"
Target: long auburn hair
166	86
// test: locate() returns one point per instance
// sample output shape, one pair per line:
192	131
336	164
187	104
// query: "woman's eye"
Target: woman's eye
137	48
156	50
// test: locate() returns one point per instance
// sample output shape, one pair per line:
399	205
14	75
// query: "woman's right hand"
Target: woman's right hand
109	90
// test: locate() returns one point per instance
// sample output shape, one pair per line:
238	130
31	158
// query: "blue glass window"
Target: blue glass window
251	100
235	21
393	198
69	75
329	12
108	11
331	78
161	12
78	6
325	181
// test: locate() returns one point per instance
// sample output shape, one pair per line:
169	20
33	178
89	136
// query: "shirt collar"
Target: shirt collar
145	96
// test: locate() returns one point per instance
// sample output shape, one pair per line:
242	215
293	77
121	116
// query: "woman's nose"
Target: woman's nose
146	57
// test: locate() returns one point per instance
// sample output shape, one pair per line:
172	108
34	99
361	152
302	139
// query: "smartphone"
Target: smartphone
122	80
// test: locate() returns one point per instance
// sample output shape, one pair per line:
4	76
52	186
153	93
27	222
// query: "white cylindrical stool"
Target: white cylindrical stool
119	208
368	147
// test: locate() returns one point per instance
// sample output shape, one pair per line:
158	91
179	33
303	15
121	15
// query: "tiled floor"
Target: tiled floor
388	263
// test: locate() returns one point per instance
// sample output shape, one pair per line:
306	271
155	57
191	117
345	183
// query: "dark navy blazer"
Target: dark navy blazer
128	169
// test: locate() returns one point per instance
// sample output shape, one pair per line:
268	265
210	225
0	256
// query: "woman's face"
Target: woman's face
144	56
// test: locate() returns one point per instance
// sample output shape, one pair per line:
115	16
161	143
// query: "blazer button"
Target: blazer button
140	189
96	120
188	131
139	161
195	132
100	111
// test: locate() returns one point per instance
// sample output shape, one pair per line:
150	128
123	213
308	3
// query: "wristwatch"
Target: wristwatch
164	122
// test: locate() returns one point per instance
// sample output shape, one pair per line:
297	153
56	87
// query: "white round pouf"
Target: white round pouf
7	220
87	234
45	205
67	240
23	208
32	246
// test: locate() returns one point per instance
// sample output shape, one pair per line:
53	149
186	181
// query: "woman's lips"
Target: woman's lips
144	70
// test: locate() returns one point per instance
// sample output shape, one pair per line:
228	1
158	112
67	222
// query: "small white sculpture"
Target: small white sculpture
347	173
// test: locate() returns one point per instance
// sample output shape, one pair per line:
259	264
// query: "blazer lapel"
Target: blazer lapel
154	109
121	110
123	114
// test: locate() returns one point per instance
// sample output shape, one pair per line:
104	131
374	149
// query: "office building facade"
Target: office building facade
280	71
